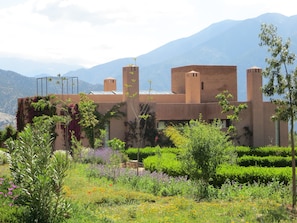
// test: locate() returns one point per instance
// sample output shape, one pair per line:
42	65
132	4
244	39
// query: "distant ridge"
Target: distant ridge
224	43
14	86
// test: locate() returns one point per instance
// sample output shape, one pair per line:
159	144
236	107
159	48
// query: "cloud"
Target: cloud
93	31
56	11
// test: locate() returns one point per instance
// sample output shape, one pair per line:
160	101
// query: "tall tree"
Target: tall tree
282	83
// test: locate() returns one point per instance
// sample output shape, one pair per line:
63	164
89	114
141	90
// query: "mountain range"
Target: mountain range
227	42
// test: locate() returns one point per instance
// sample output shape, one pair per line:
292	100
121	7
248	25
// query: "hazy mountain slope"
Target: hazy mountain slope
226	43
6	120
14	86
32	68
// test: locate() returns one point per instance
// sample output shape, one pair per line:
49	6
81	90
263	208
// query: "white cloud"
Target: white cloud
91	32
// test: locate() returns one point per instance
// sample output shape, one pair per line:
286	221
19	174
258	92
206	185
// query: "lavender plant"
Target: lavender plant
156	183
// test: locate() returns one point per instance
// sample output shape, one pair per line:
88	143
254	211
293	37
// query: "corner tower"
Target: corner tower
255	97
110	84
193	87
131	91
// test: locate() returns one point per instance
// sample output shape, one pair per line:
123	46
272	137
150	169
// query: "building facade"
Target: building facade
193	94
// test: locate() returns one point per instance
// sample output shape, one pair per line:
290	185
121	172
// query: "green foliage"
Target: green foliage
252	174
10	214
39	174
8	132
231	110
282	82
205	148
149	151
175	136
268	161
76	149
88	119
116	144
165	163
263	151
93	122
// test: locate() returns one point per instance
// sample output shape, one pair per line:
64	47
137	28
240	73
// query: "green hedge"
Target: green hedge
164	162
263	151
268	161
252	174
149	151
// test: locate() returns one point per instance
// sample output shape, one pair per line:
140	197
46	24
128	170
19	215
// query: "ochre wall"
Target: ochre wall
215	80
182	107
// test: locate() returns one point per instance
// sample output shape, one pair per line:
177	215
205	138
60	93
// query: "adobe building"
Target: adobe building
193	93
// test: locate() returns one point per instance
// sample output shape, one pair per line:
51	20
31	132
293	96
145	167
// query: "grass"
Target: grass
102	200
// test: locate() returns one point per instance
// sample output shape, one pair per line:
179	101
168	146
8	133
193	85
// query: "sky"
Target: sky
92	32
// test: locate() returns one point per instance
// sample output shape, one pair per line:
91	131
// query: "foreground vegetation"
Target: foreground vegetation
102	199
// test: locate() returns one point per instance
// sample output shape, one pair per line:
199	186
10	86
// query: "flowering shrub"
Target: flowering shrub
8	192
100	156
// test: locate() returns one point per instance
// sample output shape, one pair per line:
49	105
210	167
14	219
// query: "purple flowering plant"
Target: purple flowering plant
9	192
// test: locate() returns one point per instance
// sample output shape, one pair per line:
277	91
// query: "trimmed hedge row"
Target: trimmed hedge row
166	163
262	151
252	174
150	151
266	161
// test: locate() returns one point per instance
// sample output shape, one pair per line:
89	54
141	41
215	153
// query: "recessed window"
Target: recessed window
202	85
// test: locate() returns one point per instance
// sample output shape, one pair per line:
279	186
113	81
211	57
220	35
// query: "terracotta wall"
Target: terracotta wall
215	79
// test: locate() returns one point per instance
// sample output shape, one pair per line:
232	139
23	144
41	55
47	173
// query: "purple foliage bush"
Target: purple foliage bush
99	156
157	183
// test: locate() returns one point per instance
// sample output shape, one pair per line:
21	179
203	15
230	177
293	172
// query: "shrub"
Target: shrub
39	174
205	148
150	151
268	161
252	174
263	151
166	163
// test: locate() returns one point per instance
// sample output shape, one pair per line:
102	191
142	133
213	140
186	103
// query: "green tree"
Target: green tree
282	83
205	148
88	119
94	122
231	110
39	174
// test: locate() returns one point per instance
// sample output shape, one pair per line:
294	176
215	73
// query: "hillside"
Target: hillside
14	86
224	43
6	119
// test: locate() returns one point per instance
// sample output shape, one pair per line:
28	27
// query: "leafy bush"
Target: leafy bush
268	161
252	174
263	151
164	162
205	148
150	151
39	174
